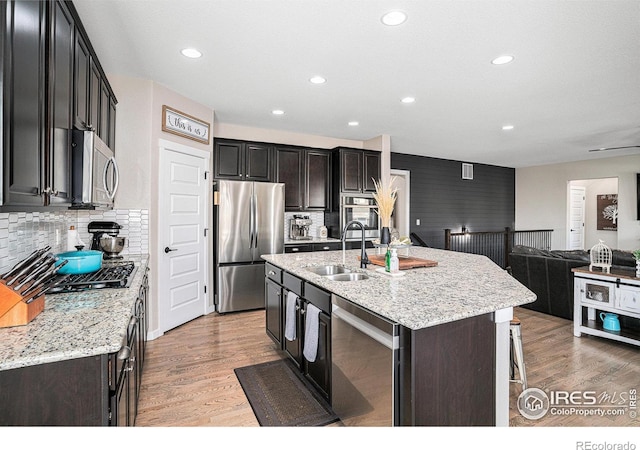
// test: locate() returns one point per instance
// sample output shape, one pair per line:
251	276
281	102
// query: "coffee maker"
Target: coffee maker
299	227
105	238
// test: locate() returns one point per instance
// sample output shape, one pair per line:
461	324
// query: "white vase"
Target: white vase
637	268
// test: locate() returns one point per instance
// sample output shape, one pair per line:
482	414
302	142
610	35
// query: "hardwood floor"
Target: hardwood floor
188	379
556	360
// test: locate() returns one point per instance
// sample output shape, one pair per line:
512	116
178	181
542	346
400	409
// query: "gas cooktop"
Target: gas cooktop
113	274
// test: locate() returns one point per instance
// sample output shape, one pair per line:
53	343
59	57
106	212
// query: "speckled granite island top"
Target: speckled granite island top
461	285
73	325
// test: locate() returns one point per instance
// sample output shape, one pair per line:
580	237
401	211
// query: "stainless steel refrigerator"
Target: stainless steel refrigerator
250	219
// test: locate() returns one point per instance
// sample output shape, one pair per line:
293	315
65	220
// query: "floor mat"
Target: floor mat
280	396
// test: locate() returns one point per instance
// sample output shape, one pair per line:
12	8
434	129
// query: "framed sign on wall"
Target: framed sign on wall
181	124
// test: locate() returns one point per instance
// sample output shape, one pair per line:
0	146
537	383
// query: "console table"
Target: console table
616	292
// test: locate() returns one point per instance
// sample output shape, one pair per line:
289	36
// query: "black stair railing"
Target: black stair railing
496	245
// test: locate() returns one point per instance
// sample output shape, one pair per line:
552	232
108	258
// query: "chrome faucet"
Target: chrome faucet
364	259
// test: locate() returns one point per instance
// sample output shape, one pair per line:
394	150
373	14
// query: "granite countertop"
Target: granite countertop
462	285
73	325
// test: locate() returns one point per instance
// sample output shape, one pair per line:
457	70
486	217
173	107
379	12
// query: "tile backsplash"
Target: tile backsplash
23	232
316	217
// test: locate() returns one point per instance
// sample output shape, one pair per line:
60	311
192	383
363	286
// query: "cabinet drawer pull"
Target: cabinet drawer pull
325	248
295	249
271	272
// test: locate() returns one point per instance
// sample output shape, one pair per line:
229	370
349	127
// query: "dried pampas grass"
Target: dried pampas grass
385	197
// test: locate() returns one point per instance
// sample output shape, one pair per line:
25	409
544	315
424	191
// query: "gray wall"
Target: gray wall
441	199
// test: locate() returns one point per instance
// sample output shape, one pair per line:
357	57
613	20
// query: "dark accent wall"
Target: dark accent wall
441	199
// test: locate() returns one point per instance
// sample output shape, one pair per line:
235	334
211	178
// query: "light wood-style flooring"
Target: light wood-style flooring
189	381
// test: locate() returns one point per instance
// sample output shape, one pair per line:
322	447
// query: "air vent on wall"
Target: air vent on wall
467	171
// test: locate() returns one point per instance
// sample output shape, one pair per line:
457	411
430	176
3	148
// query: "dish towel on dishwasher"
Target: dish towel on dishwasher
290	317
311	333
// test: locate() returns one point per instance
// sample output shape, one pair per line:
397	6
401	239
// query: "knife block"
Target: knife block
14	311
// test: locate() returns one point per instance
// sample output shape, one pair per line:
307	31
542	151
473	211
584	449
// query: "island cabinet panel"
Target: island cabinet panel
274	312
448	374
278	286
69	393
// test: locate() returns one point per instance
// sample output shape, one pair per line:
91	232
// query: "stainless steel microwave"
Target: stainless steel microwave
95	172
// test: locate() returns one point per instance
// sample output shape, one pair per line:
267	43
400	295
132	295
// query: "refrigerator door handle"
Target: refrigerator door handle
255	222
252	221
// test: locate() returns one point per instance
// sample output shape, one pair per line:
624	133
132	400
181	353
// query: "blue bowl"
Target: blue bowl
83	261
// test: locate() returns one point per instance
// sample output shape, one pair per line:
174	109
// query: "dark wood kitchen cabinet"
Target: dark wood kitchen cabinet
317	372
61	105
290	171
82	71
274	311
24	111
317	172
306	174
355	169
44	56
100	390
243	161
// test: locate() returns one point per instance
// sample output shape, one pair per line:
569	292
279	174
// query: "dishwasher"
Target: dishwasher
365	363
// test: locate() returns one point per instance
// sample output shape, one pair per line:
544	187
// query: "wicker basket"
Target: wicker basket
600	257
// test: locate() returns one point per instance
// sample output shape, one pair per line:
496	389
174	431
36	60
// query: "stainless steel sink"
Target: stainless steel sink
329	270
348	276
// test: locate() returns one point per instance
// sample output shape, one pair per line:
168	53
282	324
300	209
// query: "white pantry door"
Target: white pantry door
182	245
576	217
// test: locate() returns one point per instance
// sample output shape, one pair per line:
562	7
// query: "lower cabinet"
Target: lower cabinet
324	246
100	390
279	284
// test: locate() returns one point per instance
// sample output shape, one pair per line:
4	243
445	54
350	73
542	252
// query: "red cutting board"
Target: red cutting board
404	262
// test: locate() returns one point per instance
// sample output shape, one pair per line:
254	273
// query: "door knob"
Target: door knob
167	249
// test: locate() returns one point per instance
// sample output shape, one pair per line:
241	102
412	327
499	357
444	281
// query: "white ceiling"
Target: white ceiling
574	84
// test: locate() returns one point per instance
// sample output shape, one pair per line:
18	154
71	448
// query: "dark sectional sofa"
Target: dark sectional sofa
548	274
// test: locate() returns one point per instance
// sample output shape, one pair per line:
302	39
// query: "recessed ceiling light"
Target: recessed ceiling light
354	123
507	127
277	112
191	53
504	59
318	79
408	100
393	18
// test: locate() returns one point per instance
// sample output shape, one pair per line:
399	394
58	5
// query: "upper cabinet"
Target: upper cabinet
317	171
244	161
61	105
23	111
355	169
47	72
290	171
306	174
93	99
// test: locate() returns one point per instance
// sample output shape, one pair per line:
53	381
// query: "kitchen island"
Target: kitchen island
453	322
67	366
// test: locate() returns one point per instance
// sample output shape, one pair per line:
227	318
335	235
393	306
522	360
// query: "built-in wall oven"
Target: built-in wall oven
362	208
